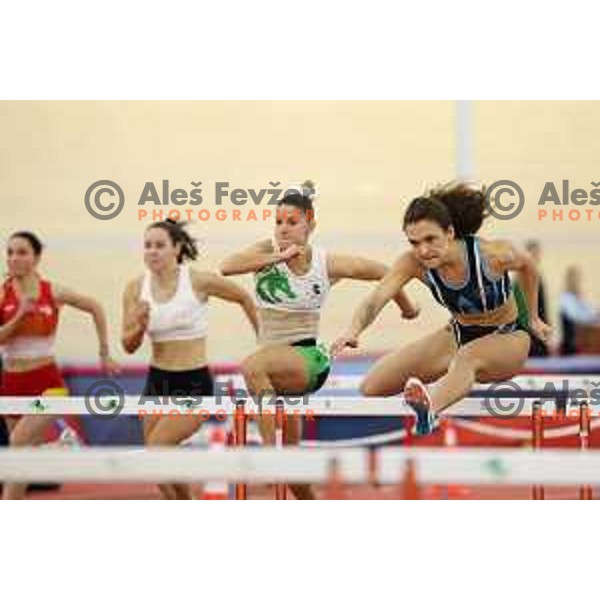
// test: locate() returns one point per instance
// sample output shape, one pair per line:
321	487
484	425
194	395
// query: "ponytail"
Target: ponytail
178	235
301	197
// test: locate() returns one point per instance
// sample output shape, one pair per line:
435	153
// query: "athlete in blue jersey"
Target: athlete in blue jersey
485	340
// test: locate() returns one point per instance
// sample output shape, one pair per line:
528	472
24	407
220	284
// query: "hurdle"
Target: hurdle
537	440
527	383
405	468
585	492
304	406
289	407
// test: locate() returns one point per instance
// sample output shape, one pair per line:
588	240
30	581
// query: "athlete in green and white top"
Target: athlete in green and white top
292	279
290	306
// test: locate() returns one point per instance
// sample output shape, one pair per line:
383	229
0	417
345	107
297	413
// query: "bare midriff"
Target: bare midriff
179	355
286	327
22	365
504	314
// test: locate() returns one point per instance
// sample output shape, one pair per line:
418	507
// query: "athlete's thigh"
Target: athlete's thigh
497	356
427	358
30	430
283	365
170	431
287	372
149	424
11	422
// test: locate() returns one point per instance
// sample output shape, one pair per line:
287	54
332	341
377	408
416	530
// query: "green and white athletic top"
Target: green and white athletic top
278	288
289	304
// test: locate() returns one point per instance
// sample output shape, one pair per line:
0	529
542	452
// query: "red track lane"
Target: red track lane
74	491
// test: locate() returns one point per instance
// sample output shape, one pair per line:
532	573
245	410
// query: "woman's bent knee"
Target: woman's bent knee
251	367
368	388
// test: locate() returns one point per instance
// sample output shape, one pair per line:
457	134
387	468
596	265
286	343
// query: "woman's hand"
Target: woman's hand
541	330
343	342
142	315
109	366
411	313
291	252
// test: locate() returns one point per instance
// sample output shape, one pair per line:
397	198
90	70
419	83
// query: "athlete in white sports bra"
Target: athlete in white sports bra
169	304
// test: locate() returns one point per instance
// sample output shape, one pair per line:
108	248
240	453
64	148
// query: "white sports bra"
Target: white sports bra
183	317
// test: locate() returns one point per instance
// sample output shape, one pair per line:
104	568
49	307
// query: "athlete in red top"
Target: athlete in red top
29	310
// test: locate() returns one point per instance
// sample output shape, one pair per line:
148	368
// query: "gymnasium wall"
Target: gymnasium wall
369	159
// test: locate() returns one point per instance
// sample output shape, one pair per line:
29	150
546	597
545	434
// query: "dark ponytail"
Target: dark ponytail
459	205
178	235
301	197
34	241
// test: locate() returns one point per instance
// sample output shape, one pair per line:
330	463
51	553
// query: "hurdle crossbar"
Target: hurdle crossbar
480	467
330	406
527	383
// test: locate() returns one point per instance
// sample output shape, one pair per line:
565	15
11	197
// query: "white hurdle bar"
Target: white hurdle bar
313	406
527	383
325	406
465	466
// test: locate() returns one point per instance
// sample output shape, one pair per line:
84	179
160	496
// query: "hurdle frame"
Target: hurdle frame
331	406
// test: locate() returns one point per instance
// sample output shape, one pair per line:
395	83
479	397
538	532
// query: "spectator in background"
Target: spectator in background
538	348
574	311
3	427
3	438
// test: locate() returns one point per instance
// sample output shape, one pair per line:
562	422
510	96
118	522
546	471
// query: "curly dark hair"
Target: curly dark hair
457	204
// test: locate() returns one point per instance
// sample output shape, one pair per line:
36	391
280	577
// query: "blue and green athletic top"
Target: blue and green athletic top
481	292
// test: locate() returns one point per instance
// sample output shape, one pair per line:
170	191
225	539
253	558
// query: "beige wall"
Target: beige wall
535	142
369	158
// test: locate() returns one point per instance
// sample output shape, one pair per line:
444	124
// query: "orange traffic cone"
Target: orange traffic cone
216	490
